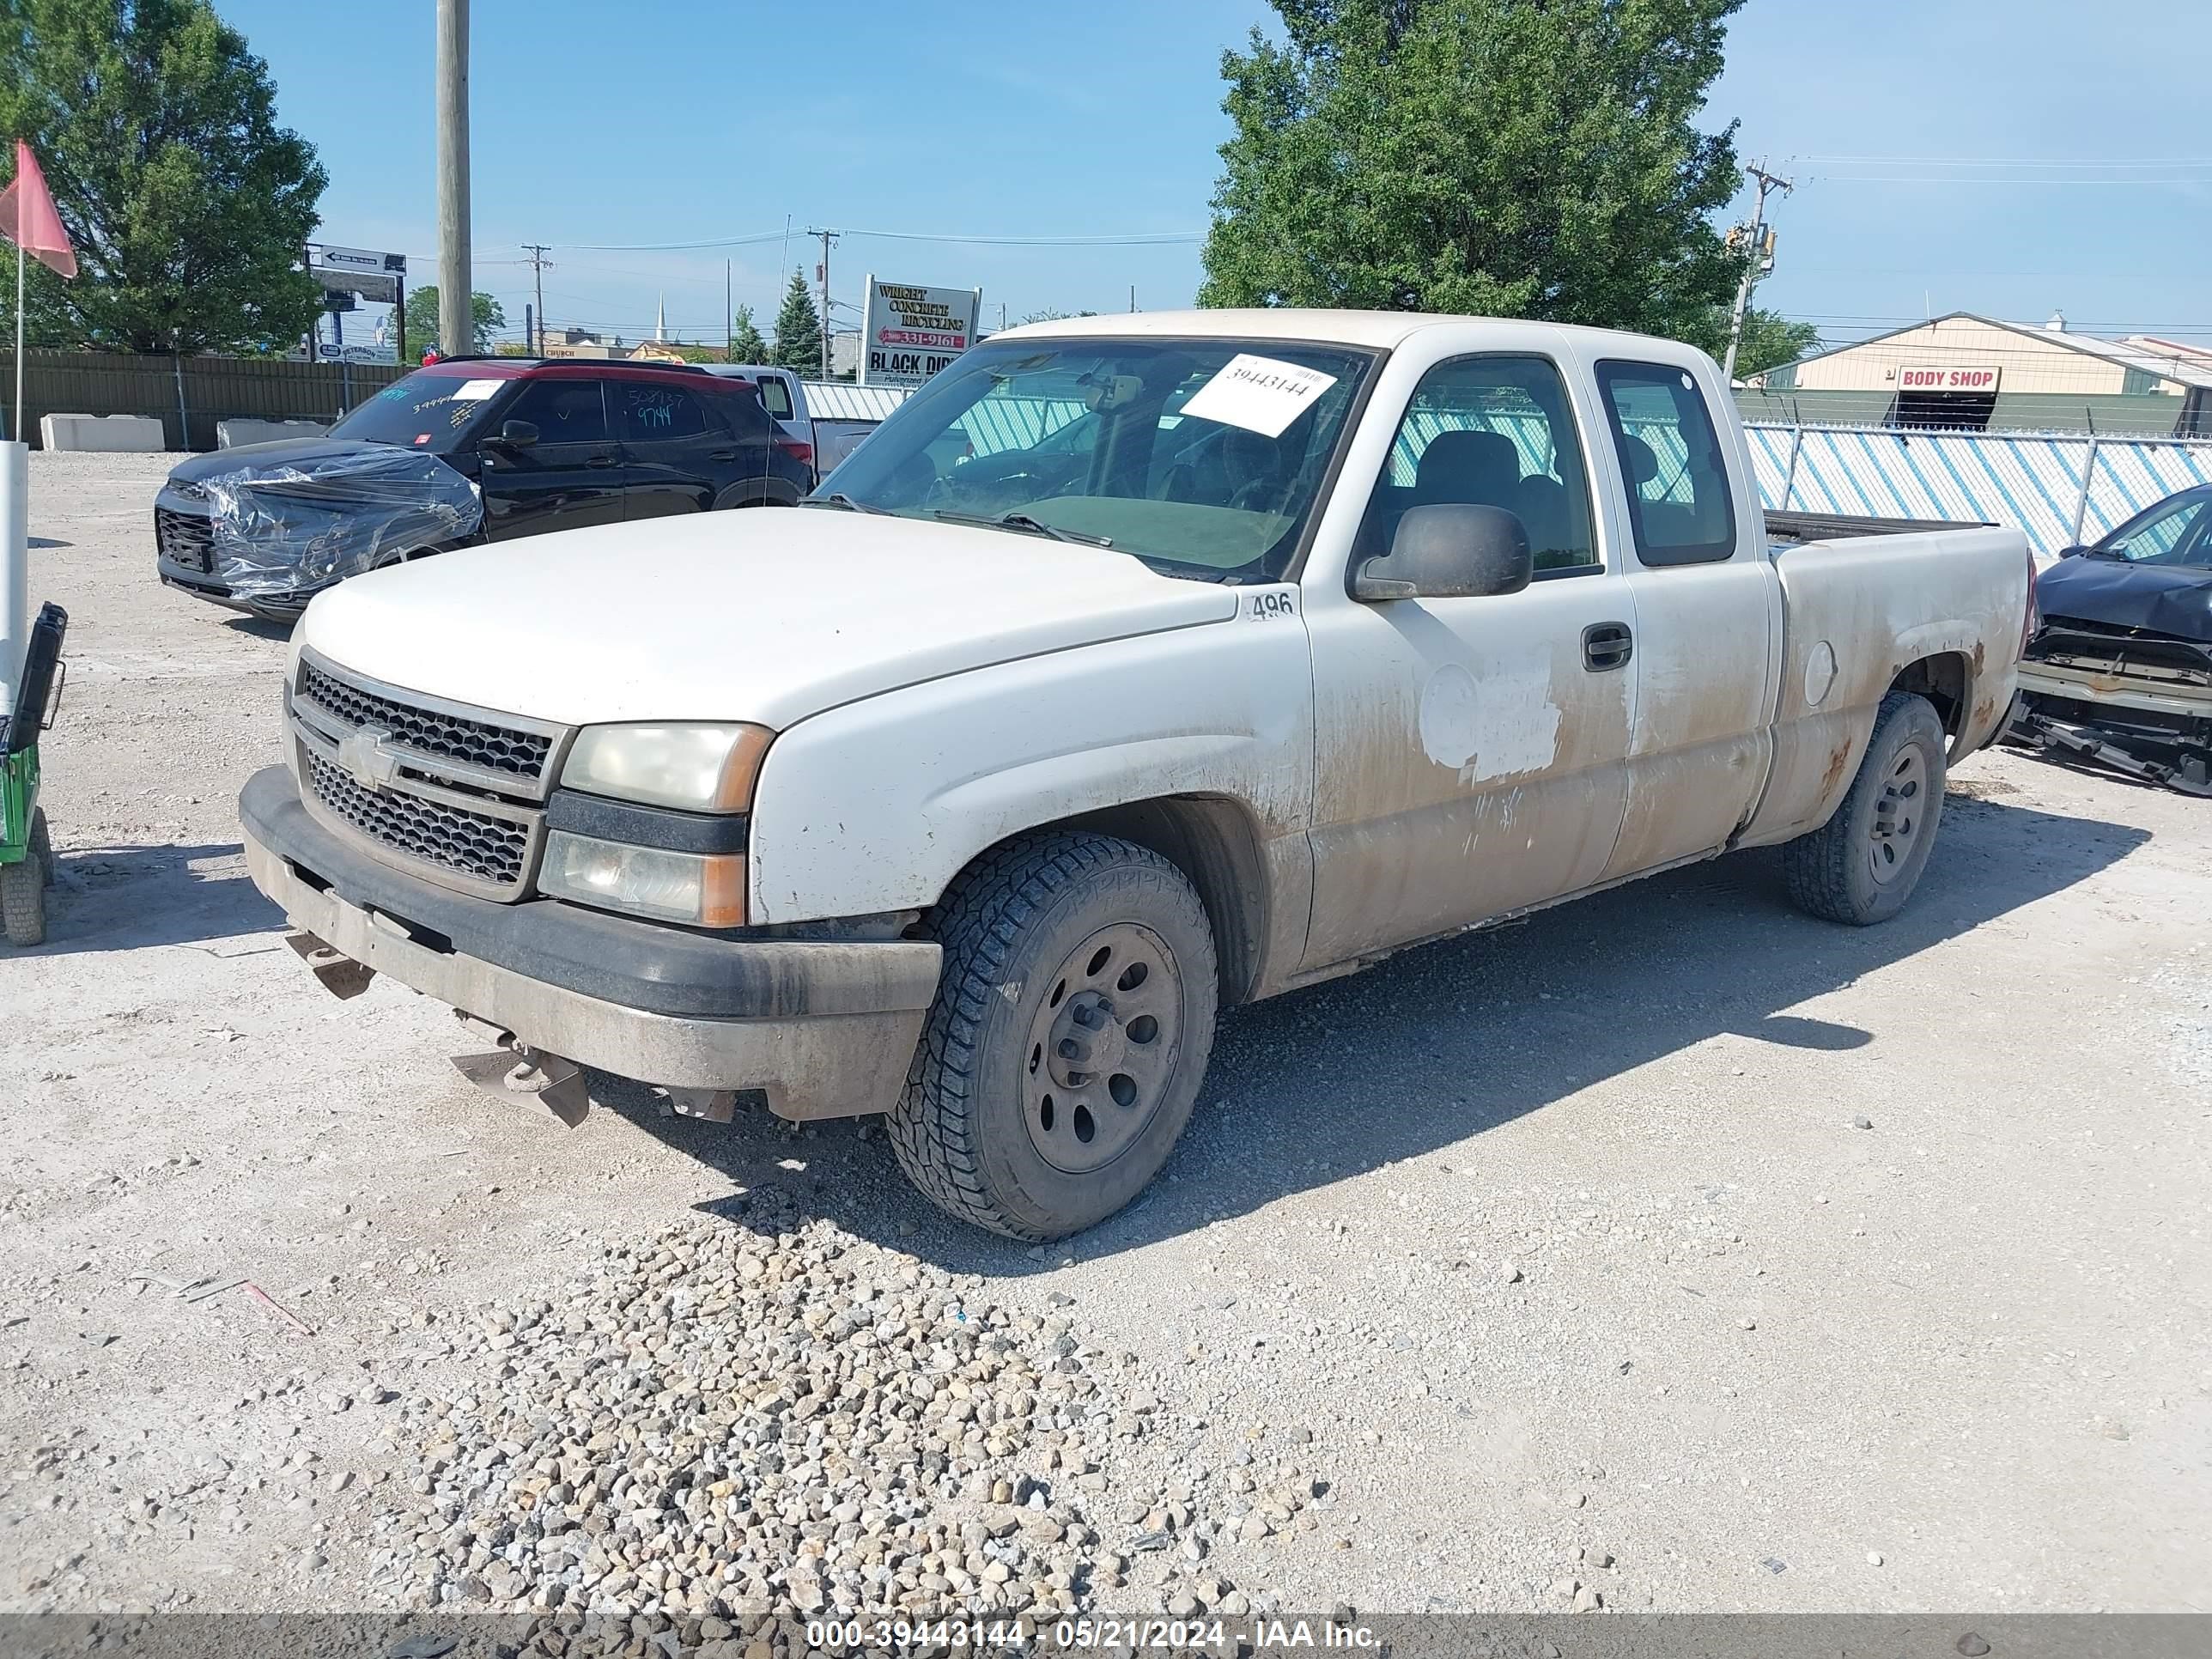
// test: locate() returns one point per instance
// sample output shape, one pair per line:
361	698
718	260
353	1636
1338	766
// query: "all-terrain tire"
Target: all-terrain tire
1862	865
24	888
1041	935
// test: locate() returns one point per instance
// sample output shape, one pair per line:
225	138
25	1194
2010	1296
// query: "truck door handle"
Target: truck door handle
600	459
1606	646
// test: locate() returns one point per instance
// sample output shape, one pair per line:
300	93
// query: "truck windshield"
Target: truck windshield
428	411
1202	458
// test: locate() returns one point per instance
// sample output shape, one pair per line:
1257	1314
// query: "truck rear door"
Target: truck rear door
679	452
1707	612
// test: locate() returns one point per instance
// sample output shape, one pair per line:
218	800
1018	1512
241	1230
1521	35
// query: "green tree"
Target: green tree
156	129
746	345
798	330
1770	340
485	313
1512	158
1054	314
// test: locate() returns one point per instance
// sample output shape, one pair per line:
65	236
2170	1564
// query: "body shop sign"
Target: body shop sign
908	334
1946	379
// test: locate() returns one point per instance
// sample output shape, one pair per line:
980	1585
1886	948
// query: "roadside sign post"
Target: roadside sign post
909	333
351	274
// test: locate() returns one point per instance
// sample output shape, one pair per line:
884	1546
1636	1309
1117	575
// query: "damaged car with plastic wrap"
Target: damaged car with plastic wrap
468	450
2119	674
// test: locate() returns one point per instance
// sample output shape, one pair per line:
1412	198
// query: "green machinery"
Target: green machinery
26	856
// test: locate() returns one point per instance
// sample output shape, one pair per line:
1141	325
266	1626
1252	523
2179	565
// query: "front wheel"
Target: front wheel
1070	1033
1862	865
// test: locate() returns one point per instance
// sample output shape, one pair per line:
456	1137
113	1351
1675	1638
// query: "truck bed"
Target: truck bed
1793	527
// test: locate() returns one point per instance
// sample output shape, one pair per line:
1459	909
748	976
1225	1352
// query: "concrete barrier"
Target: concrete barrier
229	435
104	434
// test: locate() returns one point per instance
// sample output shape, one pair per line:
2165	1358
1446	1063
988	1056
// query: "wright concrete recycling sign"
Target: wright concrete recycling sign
908	334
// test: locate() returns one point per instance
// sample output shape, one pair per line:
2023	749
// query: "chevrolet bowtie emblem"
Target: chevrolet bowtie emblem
366	753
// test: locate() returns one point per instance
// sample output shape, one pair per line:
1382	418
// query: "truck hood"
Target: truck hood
2169	599
765	615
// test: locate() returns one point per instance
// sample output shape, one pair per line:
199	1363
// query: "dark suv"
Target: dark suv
540	445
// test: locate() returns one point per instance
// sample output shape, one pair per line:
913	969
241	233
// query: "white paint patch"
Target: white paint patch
1502	725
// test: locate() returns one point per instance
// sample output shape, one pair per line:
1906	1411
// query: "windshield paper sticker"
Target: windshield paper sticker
475	392
1260	394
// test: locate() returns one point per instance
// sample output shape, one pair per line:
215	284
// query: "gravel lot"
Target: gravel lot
1672	1251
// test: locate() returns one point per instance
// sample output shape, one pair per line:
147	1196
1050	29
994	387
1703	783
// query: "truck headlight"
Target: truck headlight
696	767
703	890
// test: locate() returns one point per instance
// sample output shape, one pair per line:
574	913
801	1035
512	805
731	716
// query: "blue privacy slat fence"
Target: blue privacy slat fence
2032	481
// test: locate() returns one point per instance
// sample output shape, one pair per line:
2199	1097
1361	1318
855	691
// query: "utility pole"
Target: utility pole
729	318
828	237
1754	243
457	331
537	264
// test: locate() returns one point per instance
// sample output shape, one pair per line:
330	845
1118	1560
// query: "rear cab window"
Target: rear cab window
1681	504
774	396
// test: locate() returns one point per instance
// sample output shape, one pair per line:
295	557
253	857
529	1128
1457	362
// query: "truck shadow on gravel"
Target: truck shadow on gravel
1449	1040
124	899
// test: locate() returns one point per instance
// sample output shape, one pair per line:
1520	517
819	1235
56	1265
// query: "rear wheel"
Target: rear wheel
1862	865
1070	1034
24	888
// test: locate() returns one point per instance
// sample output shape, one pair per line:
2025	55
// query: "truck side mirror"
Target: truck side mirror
2075	551
1450	551
518	434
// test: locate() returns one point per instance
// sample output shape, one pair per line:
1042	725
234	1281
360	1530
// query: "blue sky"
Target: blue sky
659	121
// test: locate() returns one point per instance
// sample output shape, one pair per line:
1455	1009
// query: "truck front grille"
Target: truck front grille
186	538
431	731
456	794
493	851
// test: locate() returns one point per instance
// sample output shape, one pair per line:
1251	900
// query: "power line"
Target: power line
1928	178
1134	238
2008	161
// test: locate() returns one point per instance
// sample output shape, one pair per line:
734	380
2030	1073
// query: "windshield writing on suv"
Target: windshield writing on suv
1203	458
424	411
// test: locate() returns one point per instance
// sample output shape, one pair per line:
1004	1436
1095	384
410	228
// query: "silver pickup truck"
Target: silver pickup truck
1137	666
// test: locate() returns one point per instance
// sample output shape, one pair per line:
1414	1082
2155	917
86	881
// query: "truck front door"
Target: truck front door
1471	753
569	476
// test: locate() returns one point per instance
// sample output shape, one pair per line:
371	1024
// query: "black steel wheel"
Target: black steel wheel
1070	1034
1862	865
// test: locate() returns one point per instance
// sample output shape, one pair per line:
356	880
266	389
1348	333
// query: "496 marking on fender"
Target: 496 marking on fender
1268	605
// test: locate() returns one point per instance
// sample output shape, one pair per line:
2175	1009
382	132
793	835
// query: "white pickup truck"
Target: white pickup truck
1136	667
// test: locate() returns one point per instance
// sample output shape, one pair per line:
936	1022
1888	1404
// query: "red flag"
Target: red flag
27	217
